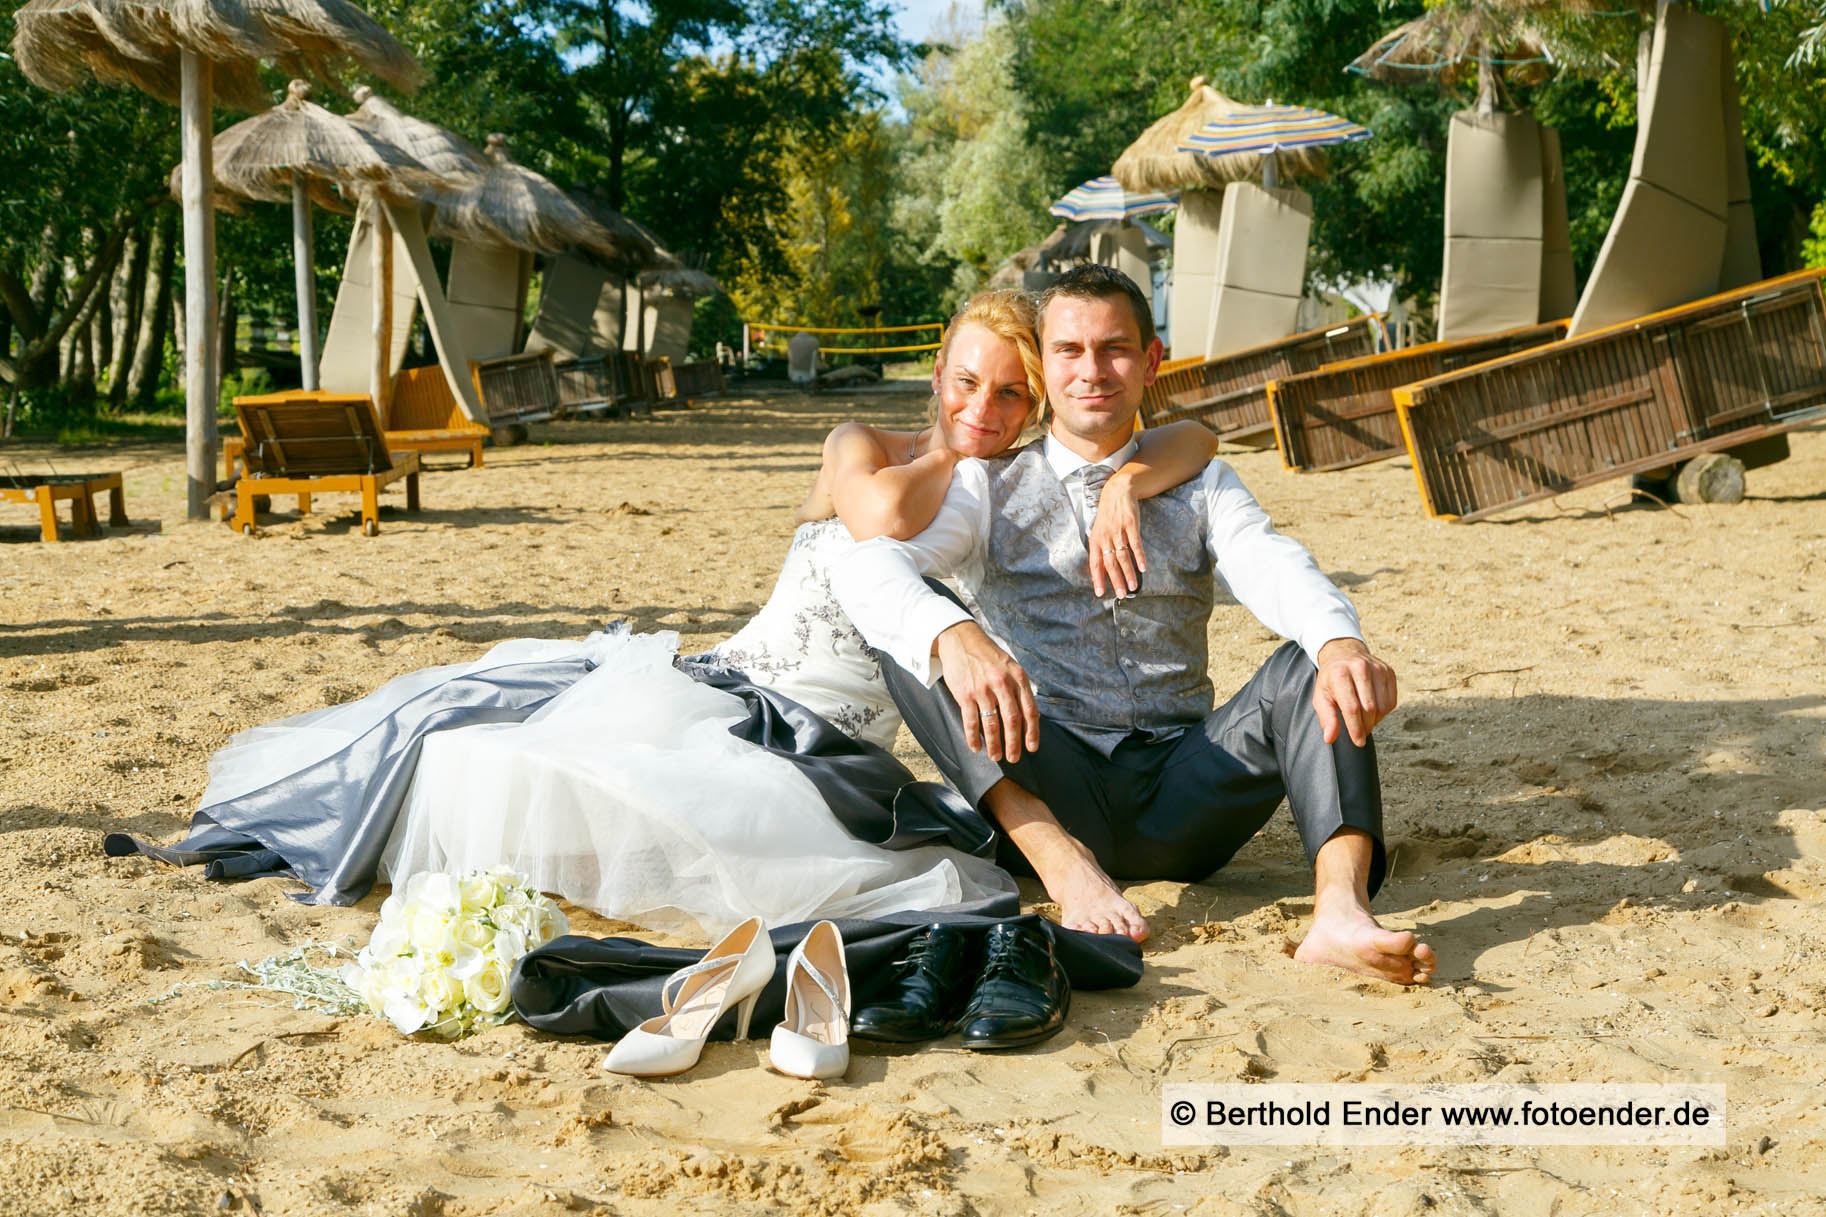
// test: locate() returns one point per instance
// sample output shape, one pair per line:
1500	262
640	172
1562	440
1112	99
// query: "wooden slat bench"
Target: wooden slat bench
78	490
1716	374
323	444
1229	394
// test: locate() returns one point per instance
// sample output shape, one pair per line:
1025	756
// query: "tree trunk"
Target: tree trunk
48	276
81	379
124	299
225	322
101	329
154	313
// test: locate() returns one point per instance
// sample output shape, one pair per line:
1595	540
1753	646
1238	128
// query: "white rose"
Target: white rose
551	922
522	919
474	932
477	892
441	991
506	876
487	989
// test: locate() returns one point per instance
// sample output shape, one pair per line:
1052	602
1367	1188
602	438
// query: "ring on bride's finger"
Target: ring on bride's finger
1108	551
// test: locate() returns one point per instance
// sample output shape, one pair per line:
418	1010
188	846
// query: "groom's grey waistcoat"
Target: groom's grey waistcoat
1118	665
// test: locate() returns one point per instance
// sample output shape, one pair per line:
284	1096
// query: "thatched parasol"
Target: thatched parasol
1154	161
439	149
514	207
192	51
279	155
1481	40
680	281
140	43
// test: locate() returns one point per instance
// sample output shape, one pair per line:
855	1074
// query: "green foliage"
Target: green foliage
1813	249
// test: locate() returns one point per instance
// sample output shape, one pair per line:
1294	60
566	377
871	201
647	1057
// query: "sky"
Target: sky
916	19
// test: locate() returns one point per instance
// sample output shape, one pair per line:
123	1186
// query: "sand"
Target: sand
1604	793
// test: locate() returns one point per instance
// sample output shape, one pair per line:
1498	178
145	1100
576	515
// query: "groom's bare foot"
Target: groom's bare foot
1089	901
1346	936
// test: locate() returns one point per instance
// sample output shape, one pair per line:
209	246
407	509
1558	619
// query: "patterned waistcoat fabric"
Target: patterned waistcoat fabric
1141	663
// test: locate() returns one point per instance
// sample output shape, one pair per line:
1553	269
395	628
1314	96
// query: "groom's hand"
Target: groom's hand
993	693
1353	688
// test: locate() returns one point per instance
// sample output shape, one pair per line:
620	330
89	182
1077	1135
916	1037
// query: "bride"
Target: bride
625	791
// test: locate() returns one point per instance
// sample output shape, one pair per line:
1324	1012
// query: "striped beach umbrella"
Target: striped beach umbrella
1270	128
1103	198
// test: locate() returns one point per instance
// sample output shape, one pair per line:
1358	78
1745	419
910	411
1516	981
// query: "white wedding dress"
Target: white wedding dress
627	794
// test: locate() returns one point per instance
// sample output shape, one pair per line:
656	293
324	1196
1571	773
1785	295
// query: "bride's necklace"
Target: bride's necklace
913	448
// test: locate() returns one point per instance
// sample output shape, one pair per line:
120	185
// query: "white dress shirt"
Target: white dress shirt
881	583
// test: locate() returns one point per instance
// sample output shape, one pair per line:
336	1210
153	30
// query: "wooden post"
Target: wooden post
381	374
200	363
303	270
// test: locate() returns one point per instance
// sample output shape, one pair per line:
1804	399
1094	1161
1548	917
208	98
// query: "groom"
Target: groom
1083	725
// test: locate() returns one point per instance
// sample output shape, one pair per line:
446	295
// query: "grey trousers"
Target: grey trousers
1181	807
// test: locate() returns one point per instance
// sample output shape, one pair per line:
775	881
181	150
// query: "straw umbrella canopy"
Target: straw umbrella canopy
277	156
192	51
1485	40
442	151
680	281
1155	162
513	206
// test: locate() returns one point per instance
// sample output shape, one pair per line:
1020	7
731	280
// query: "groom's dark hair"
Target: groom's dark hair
1094	281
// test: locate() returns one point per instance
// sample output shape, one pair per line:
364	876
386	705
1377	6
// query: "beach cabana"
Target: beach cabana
1684	228
1156	162
196	53
1508	248
1264	229
584	297
660	311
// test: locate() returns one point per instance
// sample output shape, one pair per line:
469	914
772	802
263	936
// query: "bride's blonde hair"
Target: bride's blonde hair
1007	313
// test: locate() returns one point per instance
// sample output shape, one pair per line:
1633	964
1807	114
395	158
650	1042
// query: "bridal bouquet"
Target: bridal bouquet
440	958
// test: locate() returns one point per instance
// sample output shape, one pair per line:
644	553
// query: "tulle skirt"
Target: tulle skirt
628	795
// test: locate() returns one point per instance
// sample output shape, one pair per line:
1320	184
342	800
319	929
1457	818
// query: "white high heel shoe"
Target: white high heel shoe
814	1039
733	972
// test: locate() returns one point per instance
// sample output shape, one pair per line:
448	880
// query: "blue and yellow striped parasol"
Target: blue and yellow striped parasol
1267	128
1103	198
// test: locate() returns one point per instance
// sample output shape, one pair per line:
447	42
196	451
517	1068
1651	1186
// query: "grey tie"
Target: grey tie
1094	476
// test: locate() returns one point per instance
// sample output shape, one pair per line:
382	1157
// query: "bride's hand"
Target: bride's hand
1115	540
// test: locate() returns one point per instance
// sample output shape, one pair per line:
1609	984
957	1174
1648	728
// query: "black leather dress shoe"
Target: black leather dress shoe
929	988
1024	994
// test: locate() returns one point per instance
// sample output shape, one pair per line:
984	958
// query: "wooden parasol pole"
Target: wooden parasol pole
380	374
303	257
200	361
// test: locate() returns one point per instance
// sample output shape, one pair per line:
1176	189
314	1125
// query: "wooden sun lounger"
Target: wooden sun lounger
1344	414
77	489
1719	373
314	445
424	410
1229	394
424	416
699	378
517	389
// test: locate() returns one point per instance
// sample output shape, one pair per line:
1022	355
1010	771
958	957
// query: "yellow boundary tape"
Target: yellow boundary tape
824	350
813	329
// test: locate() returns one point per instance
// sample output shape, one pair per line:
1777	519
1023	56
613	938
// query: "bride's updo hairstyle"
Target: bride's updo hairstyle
1007	313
